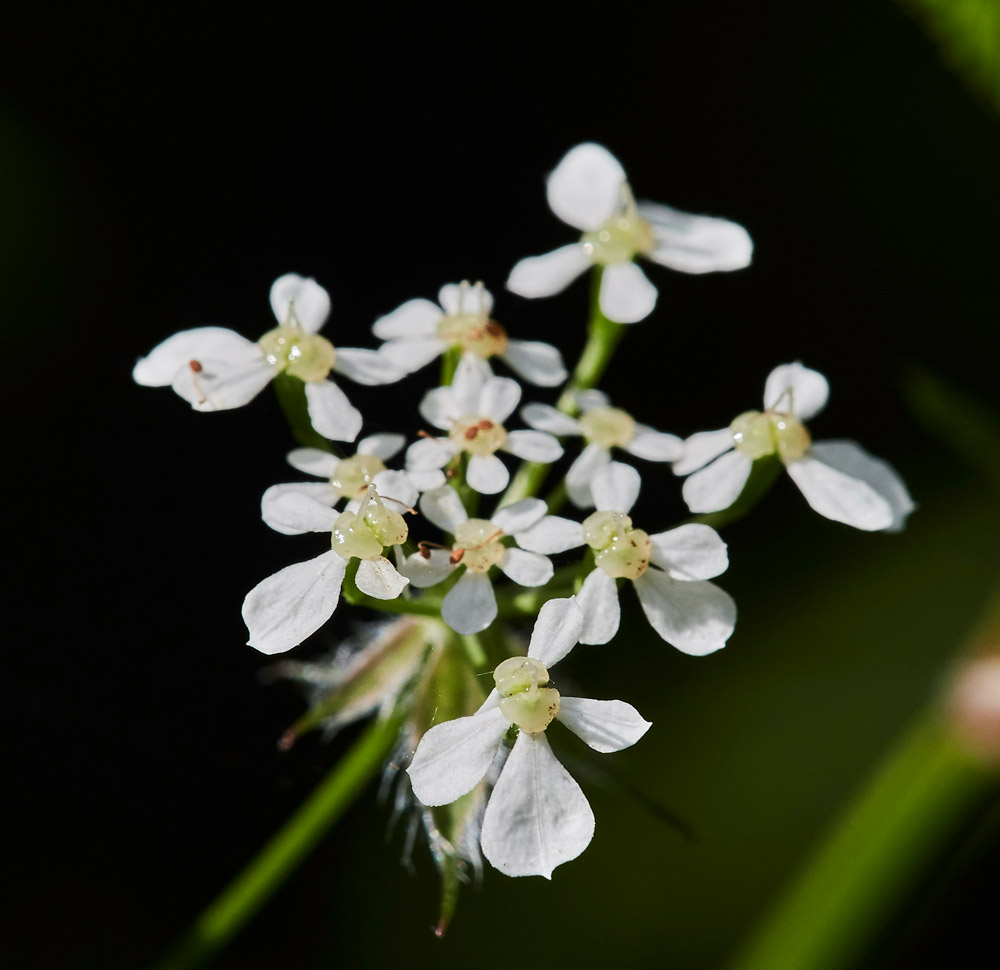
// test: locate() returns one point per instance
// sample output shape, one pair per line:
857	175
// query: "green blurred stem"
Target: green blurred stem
918	799
291	393
603	337
251	889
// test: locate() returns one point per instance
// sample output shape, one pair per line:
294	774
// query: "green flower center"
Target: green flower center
624	235
607	426
477	541
306	356
761	433
364	534
352	476
620	550
526	701
478	435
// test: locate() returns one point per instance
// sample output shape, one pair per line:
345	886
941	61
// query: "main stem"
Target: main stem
603	336
239	901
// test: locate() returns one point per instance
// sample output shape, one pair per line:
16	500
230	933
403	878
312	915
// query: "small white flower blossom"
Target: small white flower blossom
537	817
669	570
839	479
418	331
602	427
215	369
472	410
281	506
470	605
588	190
286	608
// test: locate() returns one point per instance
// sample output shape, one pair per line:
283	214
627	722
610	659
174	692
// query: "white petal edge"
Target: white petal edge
382	446
331	413
312	302
299	507
487	474
581	473
626	294
549	273
800	390
533	446
443	508
537	817
697	618
615	487
424	571
701	448
690	552
840	496
605	726
536	362
551	535
380	579
313	461
519	516
412	353
429	453
456	298
370	367
470	605
696	244
498	398
719	484
584	188
526	568
557	630
544	417
414	318
286	608
159	368
598	599
653	445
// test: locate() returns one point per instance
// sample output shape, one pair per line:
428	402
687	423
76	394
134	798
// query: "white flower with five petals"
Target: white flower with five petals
669	570
602	427
588	189
470	605
537	817
418	331
472	410
215	369
286	608
839	479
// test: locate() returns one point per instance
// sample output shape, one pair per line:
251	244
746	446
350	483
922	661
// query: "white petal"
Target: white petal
584	188
798	389
415	318
498	398
429	453
380	579
696	244
367	366
841	496
605	725
536	362
719	484
701	448
438	406
533	446
615	487
526	568
412	353
299	507
551	535
598	599
691	551
471	375
655	445
312	302
470	605
382	446
284	609
443	508
313	461
592	398
453	756
395	489
549	273
581	474
332	415
557	630
458	298
519	516
697	618
853	460
537	817
626	295
425	478
544	417
221	385
175	353
487	474
424	571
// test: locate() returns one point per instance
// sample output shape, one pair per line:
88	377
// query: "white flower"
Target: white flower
838	478
603	427
470	605
418	331
537	817
215	369
669	569
282	505
588	190
472	410
284	609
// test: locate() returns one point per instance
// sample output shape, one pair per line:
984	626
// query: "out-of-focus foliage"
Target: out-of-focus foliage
969	34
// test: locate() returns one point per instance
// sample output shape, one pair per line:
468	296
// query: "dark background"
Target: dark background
158	171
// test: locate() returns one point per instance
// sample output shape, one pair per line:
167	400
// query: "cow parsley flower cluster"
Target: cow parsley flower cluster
440	524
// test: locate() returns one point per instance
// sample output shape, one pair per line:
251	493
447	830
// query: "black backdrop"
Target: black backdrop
160	169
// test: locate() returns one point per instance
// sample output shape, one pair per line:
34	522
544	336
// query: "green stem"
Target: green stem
291	394
248	892
603	337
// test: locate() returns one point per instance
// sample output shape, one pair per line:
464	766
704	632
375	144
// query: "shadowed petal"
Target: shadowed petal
697	617
605	725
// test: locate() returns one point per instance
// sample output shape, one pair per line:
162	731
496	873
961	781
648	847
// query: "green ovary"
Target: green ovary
306	356
365	538
758	434
478	435
620	550
526	701
479	540
607	426
352	476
